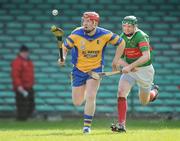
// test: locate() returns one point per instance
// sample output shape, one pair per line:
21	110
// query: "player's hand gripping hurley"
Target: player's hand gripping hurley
99	75
58	33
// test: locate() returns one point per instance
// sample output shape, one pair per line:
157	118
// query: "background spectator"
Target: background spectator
23	81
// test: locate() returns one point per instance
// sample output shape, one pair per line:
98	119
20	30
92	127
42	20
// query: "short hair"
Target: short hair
24	48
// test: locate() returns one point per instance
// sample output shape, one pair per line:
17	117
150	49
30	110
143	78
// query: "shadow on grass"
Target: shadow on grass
70	134
74	124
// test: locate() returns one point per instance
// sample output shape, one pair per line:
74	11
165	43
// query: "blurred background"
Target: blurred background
28	22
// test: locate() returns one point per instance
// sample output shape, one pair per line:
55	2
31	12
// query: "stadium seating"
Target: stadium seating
29	22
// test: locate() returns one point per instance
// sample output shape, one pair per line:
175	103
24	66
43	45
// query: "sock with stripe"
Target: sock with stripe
87	120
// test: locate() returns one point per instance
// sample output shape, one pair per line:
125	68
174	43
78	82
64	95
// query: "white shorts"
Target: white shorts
144	77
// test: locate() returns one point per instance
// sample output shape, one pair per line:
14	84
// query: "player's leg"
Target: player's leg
78	95
146	94
78	86
145	81
125	84
92	86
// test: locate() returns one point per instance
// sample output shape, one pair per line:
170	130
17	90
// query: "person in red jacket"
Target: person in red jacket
23	81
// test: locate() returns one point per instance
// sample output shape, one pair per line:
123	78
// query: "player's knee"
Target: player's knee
121	93
144	98
90	98
77	103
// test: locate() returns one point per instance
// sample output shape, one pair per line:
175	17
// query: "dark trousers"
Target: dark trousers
25	105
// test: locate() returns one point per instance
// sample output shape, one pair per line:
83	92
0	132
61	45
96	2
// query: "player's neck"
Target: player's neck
92	32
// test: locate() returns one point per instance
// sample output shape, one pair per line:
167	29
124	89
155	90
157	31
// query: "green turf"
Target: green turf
71	130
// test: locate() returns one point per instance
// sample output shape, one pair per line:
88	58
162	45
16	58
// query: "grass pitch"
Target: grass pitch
71	130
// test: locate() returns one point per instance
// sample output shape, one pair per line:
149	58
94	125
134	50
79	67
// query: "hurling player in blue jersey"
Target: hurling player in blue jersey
87	44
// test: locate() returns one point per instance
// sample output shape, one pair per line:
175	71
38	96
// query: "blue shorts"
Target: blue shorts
79	78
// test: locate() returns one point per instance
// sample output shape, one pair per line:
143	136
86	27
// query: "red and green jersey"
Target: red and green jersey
135	45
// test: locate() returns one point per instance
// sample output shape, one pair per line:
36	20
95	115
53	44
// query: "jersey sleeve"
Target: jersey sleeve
143	43
16	73
68	42
115	39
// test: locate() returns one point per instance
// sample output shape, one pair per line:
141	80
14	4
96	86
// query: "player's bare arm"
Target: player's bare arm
118	54
145	57
122	63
